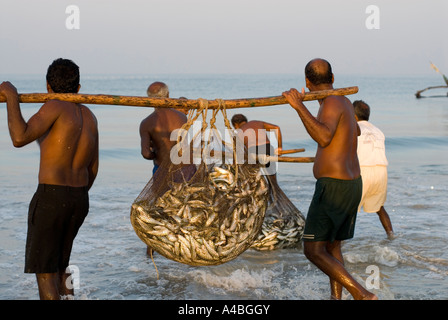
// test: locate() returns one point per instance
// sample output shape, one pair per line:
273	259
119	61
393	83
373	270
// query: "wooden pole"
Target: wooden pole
292	159
173	103
292	151
217	154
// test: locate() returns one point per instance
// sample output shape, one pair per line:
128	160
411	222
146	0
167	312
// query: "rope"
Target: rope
203	111
154	264
222	107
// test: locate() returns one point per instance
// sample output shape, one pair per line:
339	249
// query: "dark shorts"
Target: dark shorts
333	209
55	215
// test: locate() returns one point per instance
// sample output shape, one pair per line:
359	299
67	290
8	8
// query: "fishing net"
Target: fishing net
283	223
206	209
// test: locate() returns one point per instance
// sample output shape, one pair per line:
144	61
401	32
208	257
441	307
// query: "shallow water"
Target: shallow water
112	260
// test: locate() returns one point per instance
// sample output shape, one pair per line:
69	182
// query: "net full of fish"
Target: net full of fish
283	223
279	233
205	223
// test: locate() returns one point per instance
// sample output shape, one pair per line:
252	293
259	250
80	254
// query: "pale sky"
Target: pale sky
224	36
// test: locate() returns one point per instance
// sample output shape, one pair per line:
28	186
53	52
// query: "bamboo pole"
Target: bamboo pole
293	159
218	154
292	151
173	103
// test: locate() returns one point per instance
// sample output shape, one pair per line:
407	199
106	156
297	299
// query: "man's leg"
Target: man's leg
316	252
65	290
385	221
48	284
334	249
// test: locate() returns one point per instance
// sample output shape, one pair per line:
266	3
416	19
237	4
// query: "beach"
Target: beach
112	260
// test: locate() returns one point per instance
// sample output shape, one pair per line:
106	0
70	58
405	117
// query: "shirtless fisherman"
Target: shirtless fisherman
255	137
67	134
155	131
332	213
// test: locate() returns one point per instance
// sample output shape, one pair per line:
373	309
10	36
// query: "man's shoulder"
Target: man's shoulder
55	103
337	102
173	112
253	124
336	99
149	118
369	128
53	106
364	124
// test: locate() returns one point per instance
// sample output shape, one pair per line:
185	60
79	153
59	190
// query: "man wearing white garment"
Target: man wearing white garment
373	163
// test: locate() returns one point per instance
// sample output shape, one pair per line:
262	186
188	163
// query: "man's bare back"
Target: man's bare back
68	137
254	132
155	133
69	152
255	125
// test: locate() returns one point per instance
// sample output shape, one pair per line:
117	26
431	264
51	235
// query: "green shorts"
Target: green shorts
333	209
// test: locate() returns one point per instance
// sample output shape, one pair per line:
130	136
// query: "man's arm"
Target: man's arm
278	134
23	132
145	141
322	128
94	164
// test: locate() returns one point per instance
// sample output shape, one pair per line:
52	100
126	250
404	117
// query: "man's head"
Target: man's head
63	76
362	110
186	109
158	90
238	120
318	72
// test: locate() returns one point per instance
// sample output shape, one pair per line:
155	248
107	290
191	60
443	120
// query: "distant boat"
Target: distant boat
418	93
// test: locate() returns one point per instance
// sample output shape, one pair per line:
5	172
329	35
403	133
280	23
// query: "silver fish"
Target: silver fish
205	223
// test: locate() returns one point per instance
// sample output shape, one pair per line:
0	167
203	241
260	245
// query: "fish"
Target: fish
208	222
283	224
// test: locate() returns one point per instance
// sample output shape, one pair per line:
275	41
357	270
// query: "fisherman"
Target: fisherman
254	135
155	130
67	134
373	163
332	212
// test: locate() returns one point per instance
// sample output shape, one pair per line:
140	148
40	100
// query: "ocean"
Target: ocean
111	261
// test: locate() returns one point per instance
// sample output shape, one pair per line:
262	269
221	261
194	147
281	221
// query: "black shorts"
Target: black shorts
55	215
333	210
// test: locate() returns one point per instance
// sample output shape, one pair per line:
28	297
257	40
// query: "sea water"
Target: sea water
111	261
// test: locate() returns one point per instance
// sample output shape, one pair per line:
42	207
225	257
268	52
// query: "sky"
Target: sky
224	36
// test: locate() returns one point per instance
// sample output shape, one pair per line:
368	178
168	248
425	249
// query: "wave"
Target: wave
119	153
394	143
